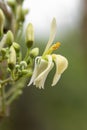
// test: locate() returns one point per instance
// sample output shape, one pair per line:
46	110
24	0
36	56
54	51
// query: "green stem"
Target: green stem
19	85
13	97
3	100
2	82
27	54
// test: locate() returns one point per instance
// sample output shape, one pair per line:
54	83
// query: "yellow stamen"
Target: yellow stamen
52	48
55	46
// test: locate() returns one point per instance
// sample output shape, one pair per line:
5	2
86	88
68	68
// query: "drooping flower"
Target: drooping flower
45	63
41	71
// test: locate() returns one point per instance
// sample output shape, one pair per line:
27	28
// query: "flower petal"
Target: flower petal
34	72
40	80
40	66
61	65
52	34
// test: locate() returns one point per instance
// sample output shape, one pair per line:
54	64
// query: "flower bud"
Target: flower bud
23	64
25	11
29	35
19	1
11	3
12	58
2	20
16	46
9	38
17	66
3	51
24	72
20	15
34	52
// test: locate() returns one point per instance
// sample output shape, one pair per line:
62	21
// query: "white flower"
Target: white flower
41	71
45	63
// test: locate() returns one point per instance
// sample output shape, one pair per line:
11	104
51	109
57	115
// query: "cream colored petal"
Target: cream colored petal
52	34
35	71
40	66
40	80
61	65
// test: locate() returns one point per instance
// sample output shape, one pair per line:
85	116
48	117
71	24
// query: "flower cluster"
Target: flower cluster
16	66
45	63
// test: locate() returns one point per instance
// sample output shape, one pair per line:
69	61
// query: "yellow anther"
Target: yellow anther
52	48
56	46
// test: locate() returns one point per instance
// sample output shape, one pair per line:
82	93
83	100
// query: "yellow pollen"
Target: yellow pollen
56	46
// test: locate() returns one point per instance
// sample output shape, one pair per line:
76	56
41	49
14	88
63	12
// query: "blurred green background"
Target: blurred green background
63	107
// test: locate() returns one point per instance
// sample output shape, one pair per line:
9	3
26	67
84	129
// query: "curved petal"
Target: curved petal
40	80
61	65
35	71
52	34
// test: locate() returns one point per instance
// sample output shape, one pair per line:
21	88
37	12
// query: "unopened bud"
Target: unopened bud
19	1
29	35
9	38
3	51
25	11
12	58
24	72
20	15
16	46
17	66
2	20
11	3
27	72
34	52
23	64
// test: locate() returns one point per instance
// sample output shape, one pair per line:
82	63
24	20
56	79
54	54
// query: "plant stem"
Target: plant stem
27	54
5	81
3	100
19	85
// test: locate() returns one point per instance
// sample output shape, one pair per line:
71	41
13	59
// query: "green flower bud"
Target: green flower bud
24	72
8	69
16	46
25	11
29	35
3	51
23	64
27	72
20	14
17	67
19	1
34	52
12	58
2	20
9	38
11	3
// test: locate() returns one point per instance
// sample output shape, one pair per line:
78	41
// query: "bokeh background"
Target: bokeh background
63	107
